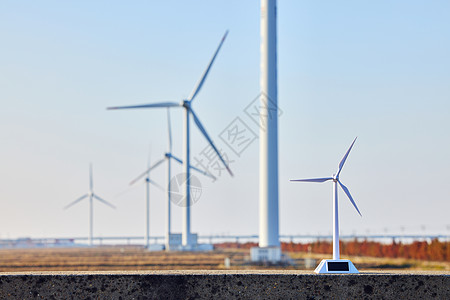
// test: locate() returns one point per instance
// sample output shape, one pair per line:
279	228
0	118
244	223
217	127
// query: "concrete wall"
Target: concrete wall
224	286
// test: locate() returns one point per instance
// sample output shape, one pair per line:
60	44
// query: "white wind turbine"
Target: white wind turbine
91	197
168	156
336	265
148	181
187	105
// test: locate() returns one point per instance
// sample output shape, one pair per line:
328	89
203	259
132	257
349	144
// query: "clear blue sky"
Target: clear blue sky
379	70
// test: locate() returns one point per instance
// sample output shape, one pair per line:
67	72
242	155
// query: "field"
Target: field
107	259
138	259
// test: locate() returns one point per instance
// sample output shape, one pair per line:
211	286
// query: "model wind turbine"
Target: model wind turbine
91	197
336	265
188	111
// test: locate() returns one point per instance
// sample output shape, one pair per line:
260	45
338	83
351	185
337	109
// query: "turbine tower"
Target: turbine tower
188	111
336	265
268	143
91	197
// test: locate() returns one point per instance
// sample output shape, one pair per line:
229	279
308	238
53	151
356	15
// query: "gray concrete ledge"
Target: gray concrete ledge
224	285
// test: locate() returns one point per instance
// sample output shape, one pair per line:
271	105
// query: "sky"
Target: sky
379	70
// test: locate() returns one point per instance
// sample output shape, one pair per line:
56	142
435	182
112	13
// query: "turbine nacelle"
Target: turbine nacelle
186	104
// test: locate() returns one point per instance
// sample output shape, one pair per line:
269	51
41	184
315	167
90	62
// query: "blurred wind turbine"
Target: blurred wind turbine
336	182
187	105
91	197
148	181
168	156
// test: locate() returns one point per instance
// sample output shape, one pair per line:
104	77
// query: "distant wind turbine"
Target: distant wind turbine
168	156
187	105
336	182
91	197
148	181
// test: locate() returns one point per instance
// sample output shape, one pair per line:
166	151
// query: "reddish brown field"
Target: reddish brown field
138	259
109	259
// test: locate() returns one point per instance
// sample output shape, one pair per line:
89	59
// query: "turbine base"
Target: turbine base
265	254
336	266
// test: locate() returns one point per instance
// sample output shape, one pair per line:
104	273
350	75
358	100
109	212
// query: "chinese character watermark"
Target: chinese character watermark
262	109
238	136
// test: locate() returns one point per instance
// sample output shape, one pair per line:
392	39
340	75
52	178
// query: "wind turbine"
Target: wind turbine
91	197
336	265
168	156
148	181
188	111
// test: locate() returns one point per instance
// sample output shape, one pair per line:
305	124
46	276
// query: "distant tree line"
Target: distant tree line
420	250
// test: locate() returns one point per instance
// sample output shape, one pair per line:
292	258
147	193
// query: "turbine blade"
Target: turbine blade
349	196
169	129
341	164
207	174
175	158
149	160
205	134
76	201
104	201
125	191
129	189
202	79
157	164
148	170
193	168
151	105
91	180
138	178
313	179
156	184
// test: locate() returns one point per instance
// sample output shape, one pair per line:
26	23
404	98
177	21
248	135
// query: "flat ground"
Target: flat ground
136	259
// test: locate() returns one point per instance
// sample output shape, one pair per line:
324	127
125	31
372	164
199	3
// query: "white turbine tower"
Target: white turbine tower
269	241
91	197
168	156
188	111
336	265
